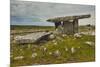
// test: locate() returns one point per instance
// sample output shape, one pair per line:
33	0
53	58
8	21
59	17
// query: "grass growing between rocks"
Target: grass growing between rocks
67	49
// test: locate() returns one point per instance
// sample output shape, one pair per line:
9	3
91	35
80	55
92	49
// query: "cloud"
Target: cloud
44	10
23	8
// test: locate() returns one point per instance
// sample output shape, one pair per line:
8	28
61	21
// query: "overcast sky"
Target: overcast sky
36	13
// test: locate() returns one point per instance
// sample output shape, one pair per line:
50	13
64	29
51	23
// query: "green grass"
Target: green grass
25	27
82	54
83	51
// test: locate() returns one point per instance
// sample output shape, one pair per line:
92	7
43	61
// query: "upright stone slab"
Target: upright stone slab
68	28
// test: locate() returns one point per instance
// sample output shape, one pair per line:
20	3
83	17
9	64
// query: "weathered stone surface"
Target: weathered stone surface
68	18
88	33
52	36
31	38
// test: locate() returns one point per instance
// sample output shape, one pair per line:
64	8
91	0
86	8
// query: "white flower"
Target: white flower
64	35
66	49
55	43
50	53
34	55
73	50
57	53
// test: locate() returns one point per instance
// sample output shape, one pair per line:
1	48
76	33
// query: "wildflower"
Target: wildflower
55	43
50	53
34	55
66	49
73	50
44	49
57	53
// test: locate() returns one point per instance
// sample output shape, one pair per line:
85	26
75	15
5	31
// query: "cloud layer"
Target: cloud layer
44	11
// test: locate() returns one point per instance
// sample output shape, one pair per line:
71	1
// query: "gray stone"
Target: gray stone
18	57
90	43
77	35
30	38
52	36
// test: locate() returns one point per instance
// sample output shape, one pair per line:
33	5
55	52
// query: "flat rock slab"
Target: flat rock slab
88	33
30	38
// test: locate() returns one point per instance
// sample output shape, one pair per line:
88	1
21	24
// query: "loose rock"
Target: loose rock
90	43
77	35
52	36
18	57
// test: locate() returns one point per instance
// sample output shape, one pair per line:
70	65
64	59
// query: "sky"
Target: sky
36	13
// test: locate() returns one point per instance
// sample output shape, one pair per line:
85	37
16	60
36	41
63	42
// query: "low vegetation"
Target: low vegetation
62	49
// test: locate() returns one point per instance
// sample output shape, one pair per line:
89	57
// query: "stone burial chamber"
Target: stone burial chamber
67	24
